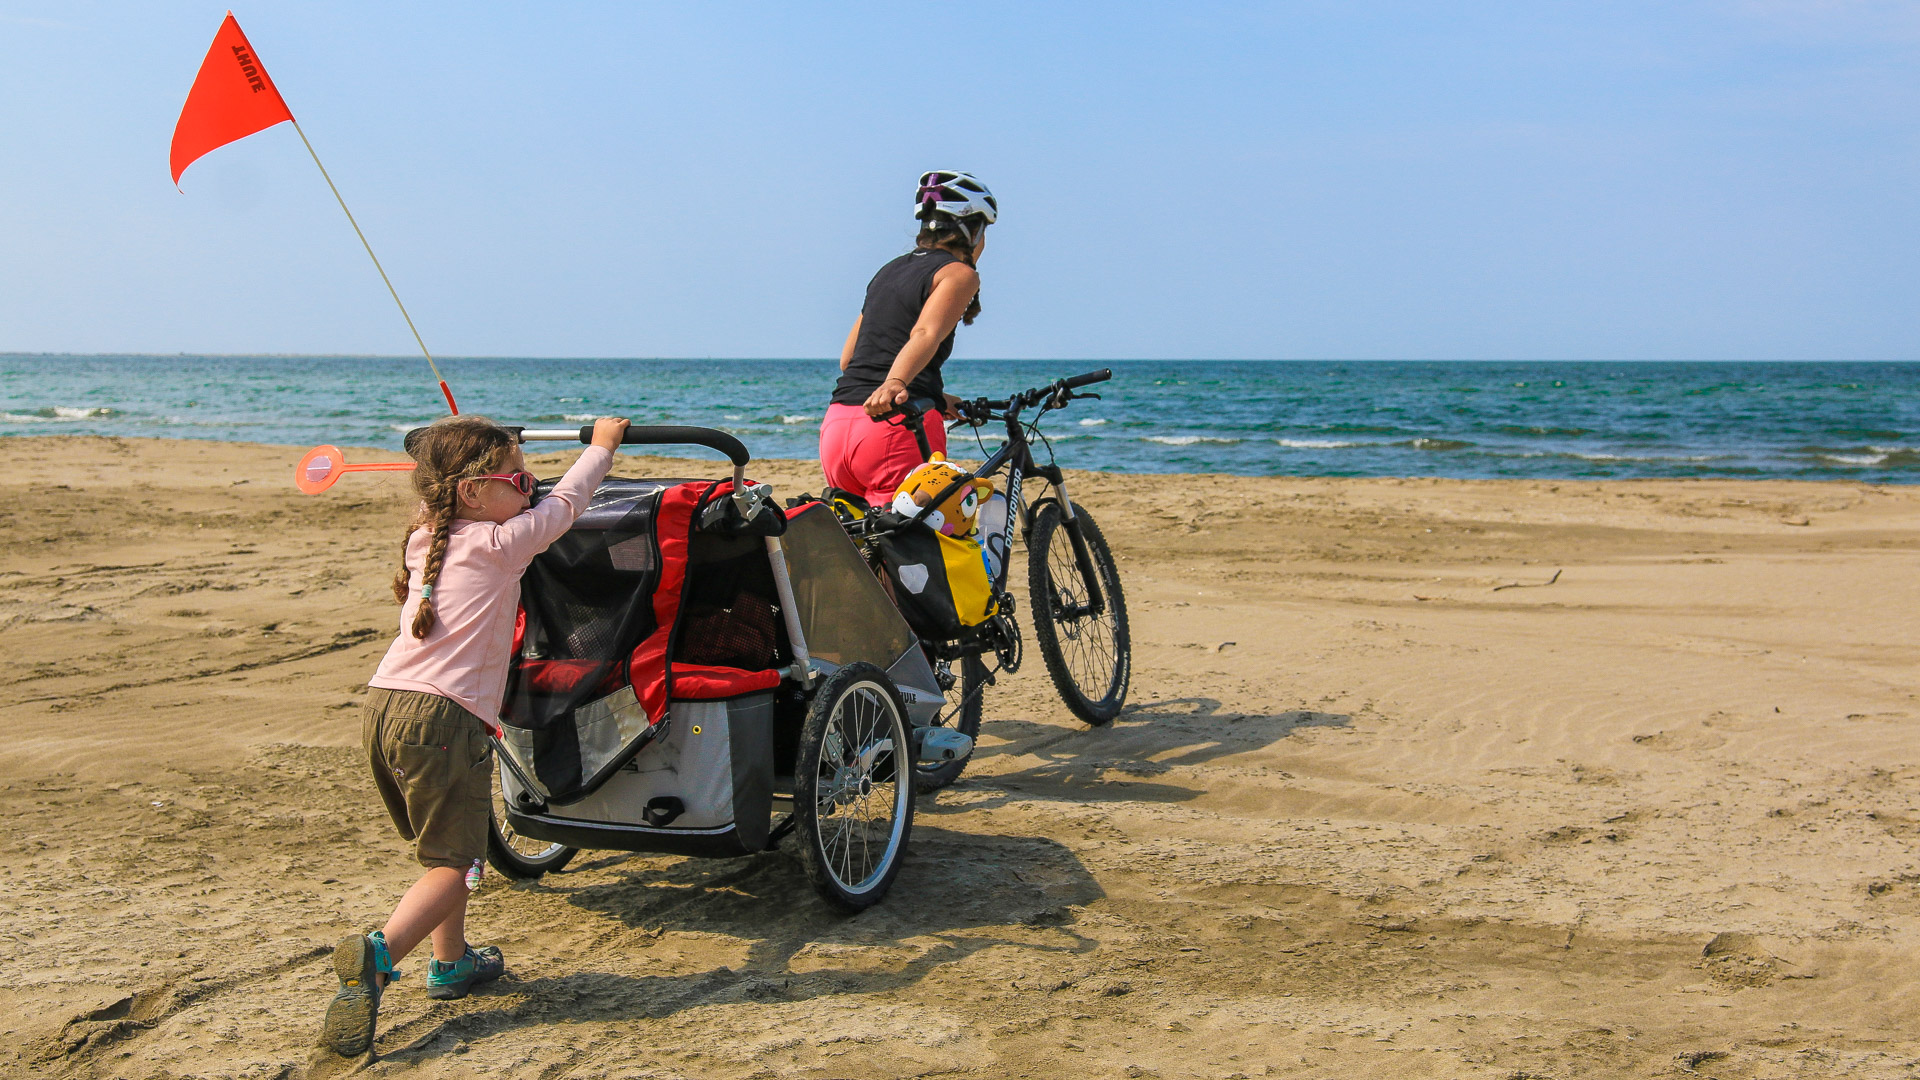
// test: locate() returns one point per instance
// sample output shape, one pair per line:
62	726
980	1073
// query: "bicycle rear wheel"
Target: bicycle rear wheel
1085	644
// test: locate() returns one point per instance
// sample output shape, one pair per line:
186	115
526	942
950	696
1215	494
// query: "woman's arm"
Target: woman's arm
953	288
853	335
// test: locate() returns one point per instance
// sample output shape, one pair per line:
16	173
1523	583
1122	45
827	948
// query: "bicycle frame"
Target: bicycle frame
1016	455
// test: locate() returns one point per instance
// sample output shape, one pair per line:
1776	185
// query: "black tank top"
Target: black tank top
894	299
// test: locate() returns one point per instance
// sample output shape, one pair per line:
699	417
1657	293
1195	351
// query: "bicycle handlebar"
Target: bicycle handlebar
980	409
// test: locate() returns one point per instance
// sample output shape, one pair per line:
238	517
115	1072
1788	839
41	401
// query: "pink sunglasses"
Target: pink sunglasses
523	482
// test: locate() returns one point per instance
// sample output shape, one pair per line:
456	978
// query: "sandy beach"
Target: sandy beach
1392	799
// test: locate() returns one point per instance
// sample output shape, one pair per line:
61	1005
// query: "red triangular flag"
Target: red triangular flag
232	98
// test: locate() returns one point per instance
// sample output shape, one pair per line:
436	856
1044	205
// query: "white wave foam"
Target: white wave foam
798	419
1095	421
1856	459
1315	444
57	414
1640	457
580	418
1189	440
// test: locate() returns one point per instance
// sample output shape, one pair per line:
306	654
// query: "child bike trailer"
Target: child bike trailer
696	671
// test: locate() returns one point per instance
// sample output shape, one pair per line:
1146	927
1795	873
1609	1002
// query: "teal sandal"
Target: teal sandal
364	967
451	982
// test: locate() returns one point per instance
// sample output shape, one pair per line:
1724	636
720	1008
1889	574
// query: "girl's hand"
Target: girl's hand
608	431
882	401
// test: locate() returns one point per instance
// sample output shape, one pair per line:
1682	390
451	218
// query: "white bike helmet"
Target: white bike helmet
946	195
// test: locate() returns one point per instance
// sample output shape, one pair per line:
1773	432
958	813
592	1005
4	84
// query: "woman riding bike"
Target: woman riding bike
904	333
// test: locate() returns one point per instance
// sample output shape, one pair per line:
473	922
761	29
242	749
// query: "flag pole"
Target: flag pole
444	392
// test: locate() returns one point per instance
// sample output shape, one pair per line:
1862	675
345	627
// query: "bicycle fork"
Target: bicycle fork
1070	520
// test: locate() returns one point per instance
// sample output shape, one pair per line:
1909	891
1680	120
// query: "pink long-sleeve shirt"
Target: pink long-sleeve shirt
465	656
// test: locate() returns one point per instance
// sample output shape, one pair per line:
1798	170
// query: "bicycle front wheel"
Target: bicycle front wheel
1079	618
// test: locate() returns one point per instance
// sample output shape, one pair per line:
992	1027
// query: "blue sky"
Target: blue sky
1340	179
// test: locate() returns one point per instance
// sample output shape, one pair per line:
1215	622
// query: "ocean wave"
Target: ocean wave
579	417
1362	429
1095	421
1887	456
1691	458
1525	429
796	419
1189	440
1315	444
1424	443
58	414
1865	457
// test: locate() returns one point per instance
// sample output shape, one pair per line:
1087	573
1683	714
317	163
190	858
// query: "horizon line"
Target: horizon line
23	354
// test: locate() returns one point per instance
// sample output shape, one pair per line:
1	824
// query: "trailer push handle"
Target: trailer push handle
663	435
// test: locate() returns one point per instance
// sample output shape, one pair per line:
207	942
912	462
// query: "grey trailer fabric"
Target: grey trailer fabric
847	614
716	759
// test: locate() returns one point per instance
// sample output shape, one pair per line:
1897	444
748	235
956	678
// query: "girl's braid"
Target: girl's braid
440	521
451	450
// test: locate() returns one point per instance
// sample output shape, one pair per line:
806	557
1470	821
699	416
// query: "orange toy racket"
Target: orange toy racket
325	464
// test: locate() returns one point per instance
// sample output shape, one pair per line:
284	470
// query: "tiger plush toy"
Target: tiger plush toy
955	514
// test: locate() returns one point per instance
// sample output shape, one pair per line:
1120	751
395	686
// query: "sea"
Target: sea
1471	419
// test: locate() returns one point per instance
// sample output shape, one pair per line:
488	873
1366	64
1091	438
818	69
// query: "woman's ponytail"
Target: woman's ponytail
950	237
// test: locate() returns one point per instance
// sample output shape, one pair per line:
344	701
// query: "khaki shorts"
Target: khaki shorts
433	764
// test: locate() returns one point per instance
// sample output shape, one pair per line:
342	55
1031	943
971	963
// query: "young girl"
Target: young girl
432	704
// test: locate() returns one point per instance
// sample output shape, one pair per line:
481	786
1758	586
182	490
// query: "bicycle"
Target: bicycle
1080	613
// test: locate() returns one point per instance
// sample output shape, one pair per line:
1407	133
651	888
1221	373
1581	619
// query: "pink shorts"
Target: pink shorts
870	458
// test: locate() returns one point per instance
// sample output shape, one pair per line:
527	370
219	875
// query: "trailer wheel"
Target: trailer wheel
853	787
517	856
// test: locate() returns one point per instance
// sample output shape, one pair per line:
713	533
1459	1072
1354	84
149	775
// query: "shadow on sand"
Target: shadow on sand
1108	764
957	894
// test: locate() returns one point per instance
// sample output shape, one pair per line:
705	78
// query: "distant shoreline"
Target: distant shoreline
554	458
1464	419
453	358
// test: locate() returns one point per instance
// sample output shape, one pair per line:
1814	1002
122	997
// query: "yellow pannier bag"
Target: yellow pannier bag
940	583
